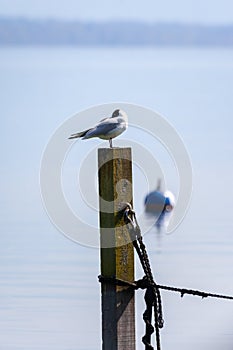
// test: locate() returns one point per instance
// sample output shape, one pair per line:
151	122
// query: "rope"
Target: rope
152	296
184	291
143	284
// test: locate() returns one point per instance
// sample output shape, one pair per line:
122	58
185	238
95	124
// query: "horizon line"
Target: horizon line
115	20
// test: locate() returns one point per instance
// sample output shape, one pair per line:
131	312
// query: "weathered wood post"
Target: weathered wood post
117	255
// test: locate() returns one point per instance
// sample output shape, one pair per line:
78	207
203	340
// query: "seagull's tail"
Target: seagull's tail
78	134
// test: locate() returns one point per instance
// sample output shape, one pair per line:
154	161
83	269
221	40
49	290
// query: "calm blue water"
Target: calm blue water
49	296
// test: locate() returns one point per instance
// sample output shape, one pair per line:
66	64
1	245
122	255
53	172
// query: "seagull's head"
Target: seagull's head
119	113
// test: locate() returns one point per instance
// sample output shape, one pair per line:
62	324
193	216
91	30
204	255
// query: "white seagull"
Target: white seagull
107	128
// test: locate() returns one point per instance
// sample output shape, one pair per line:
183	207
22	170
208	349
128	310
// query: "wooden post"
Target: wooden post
117	255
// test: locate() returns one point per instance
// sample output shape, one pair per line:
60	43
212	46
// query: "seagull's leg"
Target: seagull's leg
110	143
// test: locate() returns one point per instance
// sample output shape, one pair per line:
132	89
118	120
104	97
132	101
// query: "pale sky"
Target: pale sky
204	11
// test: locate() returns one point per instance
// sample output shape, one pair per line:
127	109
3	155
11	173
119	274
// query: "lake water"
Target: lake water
50	296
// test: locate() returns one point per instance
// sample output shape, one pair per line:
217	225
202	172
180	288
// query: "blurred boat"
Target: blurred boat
158	204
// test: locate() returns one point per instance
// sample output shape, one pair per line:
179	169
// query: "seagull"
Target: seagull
107	128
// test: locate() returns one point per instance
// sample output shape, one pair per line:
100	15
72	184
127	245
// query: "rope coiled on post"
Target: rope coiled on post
152	296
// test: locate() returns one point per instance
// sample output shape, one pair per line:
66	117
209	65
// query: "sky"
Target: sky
203	11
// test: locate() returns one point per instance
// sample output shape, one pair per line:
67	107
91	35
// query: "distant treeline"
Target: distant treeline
20	31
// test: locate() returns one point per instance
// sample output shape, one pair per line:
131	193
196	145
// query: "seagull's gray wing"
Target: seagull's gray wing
102	129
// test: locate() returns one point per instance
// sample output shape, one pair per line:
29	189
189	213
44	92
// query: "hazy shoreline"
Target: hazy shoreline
28	32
